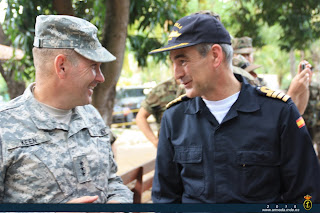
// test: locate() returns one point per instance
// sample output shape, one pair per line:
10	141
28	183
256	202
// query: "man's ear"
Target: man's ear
60	66
217	55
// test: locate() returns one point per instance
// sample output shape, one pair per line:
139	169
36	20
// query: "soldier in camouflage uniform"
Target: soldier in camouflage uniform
243	46
155	104
55	147
298	90
241	63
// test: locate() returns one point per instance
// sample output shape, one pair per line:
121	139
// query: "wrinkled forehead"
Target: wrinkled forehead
185	52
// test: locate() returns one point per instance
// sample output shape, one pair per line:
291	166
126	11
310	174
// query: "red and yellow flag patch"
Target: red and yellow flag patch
300	122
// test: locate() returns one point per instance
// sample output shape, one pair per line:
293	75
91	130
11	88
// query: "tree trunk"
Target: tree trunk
3	37
114	39
63	7
15	87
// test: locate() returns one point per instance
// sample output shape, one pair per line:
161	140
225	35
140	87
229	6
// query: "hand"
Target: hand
113	201
84	199
299	87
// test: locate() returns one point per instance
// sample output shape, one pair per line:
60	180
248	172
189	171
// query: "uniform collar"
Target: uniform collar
246	102
44	120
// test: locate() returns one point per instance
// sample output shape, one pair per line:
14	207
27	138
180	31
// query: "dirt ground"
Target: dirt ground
132	148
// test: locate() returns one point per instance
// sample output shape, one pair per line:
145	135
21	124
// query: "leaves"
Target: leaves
299	20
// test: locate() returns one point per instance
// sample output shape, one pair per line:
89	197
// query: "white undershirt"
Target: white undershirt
63	116
219	109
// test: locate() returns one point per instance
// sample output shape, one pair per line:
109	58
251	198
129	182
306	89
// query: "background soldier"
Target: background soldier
155	104
299	87
242	63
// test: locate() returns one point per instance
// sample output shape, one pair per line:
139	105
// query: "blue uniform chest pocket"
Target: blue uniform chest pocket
192	172
259	174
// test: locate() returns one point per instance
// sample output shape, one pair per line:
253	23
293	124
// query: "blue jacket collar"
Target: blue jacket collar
246	102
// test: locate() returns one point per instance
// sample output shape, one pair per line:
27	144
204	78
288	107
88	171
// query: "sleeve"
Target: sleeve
167	186
151	101
300	170
116	189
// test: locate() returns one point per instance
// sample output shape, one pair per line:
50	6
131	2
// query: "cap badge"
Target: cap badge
174	34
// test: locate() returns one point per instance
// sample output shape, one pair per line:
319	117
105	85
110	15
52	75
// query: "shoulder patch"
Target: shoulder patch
272	94
177	100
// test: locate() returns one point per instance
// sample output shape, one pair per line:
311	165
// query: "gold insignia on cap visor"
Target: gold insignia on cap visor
174	34
169	48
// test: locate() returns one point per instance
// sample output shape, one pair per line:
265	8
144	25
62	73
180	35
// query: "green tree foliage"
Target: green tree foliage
151	21
299	20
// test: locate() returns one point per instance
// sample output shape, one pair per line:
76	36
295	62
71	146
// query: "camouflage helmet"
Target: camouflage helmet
68	32
242	45
243	63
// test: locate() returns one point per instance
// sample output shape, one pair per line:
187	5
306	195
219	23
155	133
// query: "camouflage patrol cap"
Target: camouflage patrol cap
243	63
68	32
242	45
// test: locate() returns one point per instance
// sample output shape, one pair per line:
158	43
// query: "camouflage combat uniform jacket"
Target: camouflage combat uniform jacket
44	161
156	101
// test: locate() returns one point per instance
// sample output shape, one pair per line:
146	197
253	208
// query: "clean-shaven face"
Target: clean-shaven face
192	70
85	76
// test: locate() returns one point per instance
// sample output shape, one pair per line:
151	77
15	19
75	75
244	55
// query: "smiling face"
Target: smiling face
193	71
84	75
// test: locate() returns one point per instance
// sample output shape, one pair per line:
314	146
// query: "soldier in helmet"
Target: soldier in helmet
299	87
55	147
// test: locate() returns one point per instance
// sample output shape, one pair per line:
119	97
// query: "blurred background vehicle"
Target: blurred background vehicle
127	104
122	115
132	97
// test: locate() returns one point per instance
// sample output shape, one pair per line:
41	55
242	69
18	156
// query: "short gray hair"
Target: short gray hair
204	48
40	55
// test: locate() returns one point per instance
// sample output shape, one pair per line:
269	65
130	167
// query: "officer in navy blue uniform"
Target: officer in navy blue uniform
227	141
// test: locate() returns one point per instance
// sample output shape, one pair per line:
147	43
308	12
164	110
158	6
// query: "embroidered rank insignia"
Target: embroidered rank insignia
300	122
273	94
177	100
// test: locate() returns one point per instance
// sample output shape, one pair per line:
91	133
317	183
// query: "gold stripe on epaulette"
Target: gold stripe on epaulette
274	94
285	98
177	100
281	95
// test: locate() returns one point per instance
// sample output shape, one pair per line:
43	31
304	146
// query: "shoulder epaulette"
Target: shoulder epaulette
177	100
273	94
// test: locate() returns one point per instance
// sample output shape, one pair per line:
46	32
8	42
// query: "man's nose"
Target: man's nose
100	77
178	72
